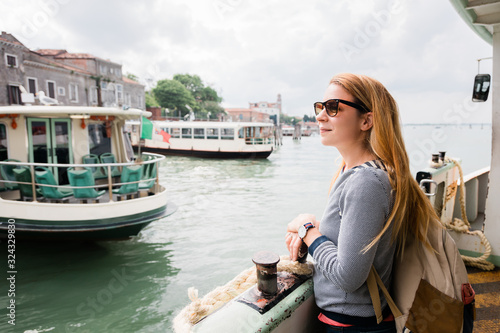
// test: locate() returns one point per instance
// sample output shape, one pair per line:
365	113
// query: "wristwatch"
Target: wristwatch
304	228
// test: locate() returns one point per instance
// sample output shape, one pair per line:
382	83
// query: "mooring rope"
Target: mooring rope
202	307
463	225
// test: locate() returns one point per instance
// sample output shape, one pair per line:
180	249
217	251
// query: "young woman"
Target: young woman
373	206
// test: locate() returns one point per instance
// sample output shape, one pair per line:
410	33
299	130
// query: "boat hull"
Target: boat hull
208	154
103	221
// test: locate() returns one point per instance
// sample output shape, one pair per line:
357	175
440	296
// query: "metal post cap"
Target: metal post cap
265	258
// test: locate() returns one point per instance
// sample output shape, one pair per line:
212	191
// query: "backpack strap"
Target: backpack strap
372	282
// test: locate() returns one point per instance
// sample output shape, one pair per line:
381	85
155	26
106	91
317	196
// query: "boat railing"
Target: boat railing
108	185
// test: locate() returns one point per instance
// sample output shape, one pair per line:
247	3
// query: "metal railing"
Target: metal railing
156	159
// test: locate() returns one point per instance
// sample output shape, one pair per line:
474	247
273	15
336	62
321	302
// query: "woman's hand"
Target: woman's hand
292	239
301	220
293	244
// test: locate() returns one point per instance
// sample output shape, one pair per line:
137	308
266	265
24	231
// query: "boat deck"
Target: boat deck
487	288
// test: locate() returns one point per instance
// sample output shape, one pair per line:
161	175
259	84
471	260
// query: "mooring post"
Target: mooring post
266	264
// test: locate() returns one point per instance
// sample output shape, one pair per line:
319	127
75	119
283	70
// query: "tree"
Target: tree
173	95
151	100
132	77
207	99
309	118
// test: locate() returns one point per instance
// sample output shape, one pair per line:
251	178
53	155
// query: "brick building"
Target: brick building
242	114
273	109
71	78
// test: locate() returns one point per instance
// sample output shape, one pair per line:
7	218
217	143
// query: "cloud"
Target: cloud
251	51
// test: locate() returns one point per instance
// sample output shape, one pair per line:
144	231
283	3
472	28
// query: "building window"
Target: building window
140	104
73	92
32	85
10	60
3	142
61	91
119	93
103	69
93	96
128	99
14	94
51	89
111	70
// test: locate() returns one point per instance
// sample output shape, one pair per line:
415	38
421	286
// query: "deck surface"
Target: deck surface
487	288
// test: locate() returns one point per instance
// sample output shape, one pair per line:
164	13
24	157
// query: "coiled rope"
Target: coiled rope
463	225
202	307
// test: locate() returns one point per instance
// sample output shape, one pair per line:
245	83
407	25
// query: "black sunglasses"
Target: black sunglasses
332	106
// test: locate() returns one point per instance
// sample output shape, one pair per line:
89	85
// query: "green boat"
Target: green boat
70	173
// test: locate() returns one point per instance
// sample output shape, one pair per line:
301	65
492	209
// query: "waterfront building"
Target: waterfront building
73	79
247	115
273	109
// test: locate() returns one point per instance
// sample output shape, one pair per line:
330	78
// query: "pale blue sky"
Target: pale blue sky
250	51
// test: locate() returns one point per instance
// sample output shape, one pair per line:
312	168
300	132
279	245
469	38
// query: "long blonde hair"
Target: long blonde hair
412	212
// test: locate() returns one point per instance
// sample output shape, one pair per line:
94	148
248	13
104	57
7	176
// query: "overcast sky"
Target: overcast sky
250	51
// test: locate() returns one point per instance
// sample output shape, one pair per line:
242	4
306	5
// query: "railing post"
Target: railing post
110	183
157	183
33	186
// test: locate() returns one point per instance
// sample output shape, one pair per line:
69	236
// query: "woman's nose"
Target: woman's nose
322	116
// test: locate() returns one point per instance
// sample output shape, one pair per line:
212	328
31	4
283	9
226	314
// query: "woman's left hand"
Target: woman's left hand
301	220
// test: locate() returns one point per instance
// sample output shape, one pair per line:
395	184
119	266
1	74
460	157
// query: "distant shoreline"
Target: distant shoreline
446	124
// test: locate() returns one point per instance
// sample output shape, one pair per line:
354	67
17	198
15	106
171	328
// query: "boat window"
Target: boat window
213	133
176	133
99	143
3	142
186	133
241	133
227	133
166	130
199	133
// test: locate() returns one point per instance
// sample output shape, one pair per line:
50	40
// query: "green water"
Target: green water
228	210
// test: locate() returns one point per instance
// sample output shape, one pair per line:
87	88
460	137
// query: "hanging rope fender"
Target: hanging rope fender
202	307
463	226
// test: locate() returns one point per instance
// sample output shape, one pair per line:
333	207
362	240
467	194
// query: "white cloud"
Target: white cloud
252	50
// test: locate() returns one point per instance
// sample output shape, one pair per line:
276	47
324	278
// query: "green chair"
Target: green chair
146	167
129	174
96	171
151	173
109	158
44	176
7	174
84	178
23	174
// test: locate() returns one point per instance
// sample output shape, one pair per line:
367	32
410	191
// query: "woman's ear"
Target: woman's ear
367	121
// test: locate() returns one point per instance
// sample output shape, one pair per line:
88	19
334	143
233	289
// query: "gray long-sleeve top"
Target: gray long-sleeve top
358	207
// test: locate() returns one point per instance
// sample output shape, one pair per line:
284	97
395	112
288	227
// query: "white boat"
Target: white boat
70	173
208	139
296	312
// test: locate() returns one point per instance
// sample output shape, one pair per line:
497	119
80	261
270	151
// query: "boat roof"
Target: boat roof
211	124
480	16
67	111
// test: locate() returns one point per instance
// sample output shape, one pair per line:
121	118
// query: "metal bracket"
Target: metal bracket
422	184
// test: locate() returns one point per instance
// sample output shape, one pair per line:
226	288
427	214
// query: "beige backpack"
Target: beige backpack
429	288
